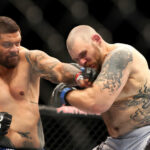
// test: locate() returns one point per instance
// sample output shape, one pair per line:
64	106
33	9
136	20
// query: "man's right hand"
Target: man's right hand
86	77
5	121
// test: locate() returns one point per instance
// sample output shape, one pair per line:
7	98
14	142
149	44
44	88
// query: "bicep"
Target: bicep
44	65
114	73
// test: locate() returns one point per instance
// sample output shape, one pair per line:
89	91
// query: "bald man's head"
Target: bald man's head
82	32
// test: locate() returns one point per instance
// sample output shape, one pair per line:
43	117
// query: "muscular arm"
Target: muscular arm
108	85
51	68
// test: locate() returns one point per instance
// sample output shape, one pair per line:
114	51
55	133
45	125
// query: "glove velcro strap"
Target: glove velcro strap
64	93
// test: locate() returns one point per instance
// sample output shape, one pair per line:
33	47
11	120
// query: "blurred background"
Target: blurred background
45	25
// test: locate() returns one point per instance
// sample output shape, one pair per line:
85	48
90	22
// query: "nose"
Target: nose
82	61
14	49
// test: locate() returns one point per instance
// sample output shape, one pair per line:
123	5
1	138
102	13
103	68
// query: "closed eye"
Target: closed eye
83	54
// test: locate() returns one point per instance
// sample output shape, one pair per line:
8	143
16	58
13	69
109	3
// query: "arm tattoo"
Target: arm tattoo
69	71
45	68
41	64
112	69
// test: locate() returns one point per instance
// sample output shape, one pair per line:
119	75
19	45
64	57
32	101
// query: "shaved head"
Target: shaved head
84	32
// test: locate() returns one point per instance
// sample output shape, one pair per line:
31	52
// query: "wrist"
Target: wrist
63	94
79	75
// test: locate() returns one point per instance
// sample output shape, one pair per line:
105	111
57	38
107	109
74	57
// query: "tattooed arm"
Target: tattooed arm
51	68
108	85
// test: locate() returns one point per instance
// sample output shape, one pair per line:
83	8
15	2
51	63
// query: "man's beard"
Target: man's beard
10	65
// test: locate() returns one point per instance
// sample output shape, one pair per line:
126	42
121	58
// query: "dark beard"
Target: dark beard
10	65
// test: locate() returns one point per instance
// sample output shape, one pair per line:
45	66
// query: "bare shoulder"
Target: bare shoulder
136	53
125	51
40	62
32	56
115	69
22	52
120	57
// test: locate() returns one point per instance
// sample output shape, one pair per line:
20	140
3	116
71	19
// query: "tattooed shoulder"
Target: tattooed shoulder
43	64
112	69
34	56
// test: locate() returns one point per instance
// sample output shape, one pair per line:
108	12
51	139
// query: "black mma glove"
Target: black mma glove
86	73
89	73
5	121
58	97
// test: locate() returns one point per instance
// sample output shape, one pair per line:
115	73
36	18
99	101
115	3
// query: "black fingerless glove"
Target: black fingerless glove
5	121
89	73
86	73
58	97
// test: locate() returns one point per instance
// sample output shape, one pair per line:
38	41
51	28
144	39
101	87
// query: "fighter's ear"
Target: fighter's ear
96	38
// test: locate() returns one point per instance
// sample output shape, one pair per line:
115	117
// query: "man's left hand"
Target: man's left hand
58	97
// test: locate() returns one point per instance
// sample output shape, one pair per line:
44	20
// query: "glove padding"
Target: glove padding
86	73
89	73
5	121
58	97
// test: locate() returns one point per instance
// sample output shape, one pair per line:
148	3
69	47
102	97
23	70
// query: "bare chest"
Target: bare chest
15	87
16	84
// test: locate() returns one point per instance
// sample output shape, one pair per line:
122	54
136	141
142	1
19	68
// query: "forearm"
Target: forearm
84	100
51	68
68	73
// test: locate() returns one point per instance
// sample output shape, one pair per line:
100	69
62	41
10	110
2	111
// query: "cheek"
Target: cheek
3	54
93	56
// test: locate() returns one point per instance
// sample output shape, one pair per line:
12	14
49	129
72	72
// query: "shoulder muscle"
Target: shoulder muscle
115	70
40	61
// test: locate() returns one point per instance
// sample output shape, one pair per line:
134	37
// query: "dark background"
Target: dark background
46	23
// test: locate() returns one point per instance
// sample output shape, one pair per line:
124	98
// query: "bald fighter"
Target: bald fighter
20	73
120	93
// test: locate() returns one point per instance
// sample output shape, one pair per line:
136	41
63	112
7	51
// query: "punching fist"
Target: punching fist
88	74
5	121
58	97
86	77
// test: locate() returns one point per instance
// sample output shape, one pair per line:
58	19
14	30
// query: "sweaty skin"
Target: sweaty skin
19	95
122	91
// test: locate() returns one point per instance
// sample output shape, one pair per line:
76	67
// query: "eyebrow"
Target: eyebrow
80	55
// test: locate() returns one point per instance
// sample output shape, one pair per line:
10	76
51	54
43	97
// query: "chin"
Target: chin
12	65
